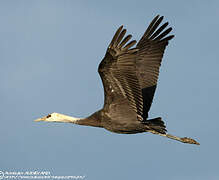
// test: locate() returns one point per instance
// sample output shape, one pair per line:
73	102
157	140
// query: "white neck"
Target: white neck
56	117
92	120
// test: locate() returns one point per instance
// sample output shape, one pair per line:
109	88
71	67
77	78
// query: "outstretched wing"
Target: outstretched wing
118	73
132	73
149	56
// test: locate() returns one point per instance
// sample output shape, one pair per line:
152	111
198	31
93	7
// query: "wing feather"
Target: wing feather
118	73
151	49
132	73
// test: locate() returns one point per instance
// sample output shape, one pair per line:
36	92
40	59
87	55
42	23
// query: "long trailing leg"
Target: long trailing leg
183	140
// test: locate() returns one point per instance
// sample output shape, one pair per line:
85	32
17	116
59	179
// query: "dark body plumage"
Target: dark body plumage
129	77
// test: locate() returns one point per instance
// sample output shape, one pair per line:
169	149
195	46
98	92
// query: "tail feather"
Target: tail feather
156	124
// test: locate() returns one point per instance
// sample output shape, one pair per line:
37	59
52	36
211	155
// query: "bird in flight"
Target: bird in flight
129	75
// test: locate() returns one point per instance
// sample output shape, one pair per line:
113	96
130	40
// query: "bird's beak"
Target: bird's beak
37	120
41	119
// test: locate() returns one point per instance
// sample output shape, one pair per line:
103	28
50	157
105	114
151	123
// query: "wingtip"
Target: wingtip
121	27
171	37
156	18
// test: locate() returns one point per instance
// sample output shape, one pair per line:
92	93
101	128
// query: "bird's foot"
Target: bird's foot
189	140
183	140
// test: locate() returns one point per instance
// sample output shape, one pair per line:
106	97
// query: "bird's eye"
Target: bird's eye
48	116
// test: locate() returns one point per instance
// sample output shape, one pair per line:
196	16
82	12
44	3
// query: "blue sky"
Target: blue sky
49	53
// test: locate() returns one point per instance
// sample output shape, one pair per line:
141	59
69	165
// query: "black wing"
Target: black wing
132	73
151	49
118	73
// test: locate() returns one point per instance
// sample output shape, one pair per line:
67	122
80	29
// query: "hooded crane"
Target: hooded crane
129	76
